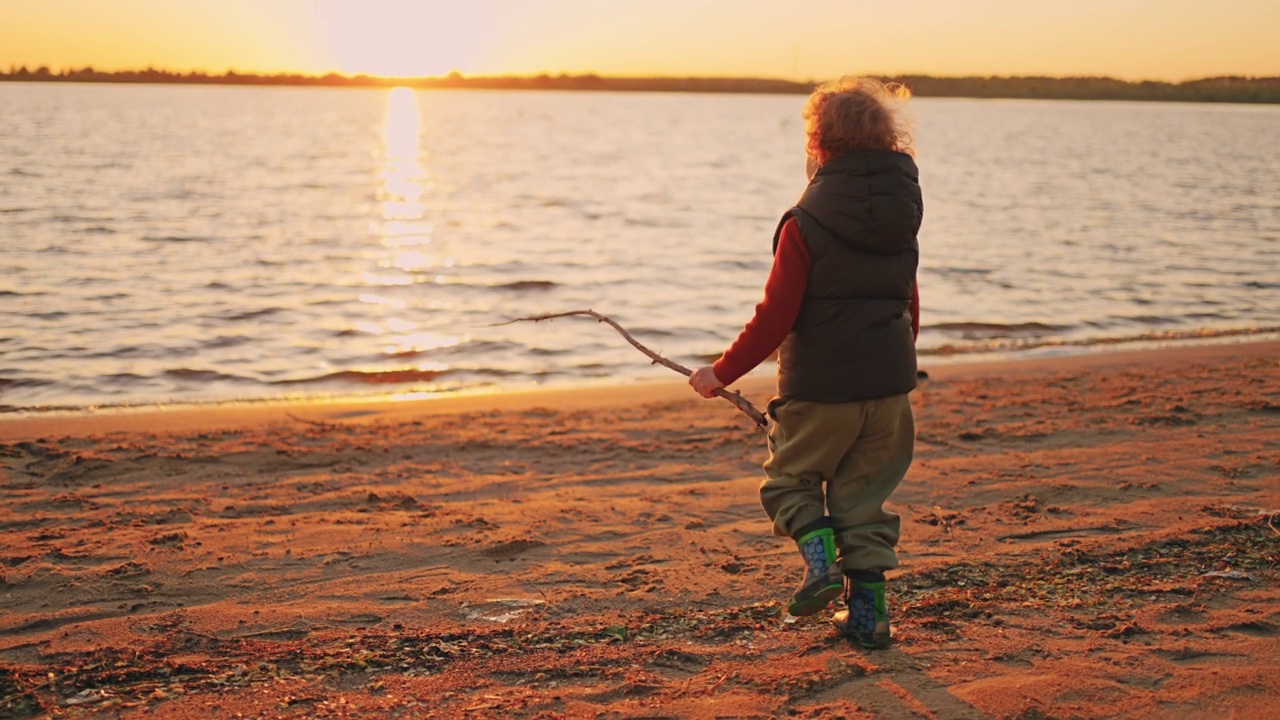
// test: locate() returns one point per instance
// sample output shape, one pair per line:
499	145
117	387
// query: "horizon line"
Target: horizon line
15	68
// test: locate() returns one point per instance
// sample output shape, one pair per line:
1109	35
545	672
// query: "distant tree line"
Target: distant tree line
1216	89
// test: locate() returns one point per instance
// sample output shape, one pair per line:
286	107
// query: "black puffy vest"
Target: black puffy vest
859	217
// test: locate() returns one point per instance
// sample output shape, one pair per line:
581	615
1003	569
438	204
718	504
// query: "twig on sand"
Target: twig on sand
1271	522
197	633
277	632
734	397
317	423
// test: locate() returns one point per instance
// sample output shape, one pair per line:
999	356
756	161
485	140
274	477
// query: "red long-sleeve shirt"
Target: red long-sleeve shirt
777	312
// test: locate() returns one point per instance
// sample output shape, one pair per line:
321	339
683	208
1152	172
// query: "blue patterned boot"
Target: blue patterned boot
867	619
822	581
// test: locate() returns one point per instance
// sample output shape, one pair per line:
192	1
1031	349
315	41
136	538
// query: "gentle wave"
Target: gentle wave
116	390
369	377
521	285
8	383
979	330
248	315
202	376
175	239
227	341
1027	344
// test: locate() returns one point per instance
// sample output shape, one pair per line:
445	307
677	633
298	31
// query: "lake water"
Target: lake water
193	244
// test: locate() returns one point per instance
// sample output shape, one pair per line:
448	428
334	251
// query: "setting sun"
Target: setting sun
401	38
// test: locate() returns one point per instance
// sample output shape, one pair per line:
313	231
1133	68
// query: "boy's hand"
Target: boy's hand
704	382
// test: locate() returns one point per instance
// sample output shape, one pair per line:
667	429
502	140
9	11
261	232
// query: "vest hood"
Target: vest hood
870	199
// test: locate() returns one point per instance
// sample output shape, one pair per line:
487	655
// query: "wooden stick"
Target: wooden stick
734	397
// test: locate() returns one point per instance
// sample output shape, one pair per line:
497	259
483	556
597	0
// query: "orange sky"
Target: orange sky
798	39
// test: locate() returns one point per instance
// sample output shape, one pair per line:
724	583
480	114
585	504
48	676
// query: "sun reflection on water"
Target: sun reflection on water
404	231
403	176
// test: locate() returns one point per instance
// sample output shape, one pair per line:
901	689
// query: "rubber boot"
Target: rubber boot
822	580
867	618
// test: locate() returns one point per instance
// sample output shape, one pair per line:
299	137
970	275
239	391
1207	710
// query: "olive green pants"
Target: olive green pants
842	460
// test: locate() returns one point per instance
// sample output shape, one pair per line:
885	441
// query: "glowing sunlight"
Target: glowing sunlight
403	231
403	176
403	38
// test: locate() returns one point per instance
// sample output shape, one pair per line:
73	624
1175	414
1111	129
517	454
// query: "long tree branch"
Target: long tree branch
734	397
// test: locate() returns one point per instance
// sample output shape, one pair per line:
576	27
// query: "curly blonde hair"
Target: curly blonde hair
855	113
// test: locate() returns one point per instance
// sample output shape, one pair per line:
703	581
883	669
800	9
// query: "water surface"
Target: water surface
178	244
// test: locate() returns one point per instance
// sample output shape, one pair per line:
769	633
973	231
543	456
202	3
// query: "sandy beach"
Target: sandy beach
1093	536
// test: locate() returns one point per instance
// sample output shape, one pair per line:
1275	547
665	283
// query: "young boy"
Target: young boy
841	308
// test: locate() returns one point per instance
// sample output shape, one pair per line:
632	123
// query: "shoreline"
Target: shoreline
1083	536
757	387
1019	351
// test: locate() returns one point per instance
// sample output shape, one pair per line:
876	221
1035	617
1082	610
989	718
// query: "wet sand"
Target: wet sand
1083	537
